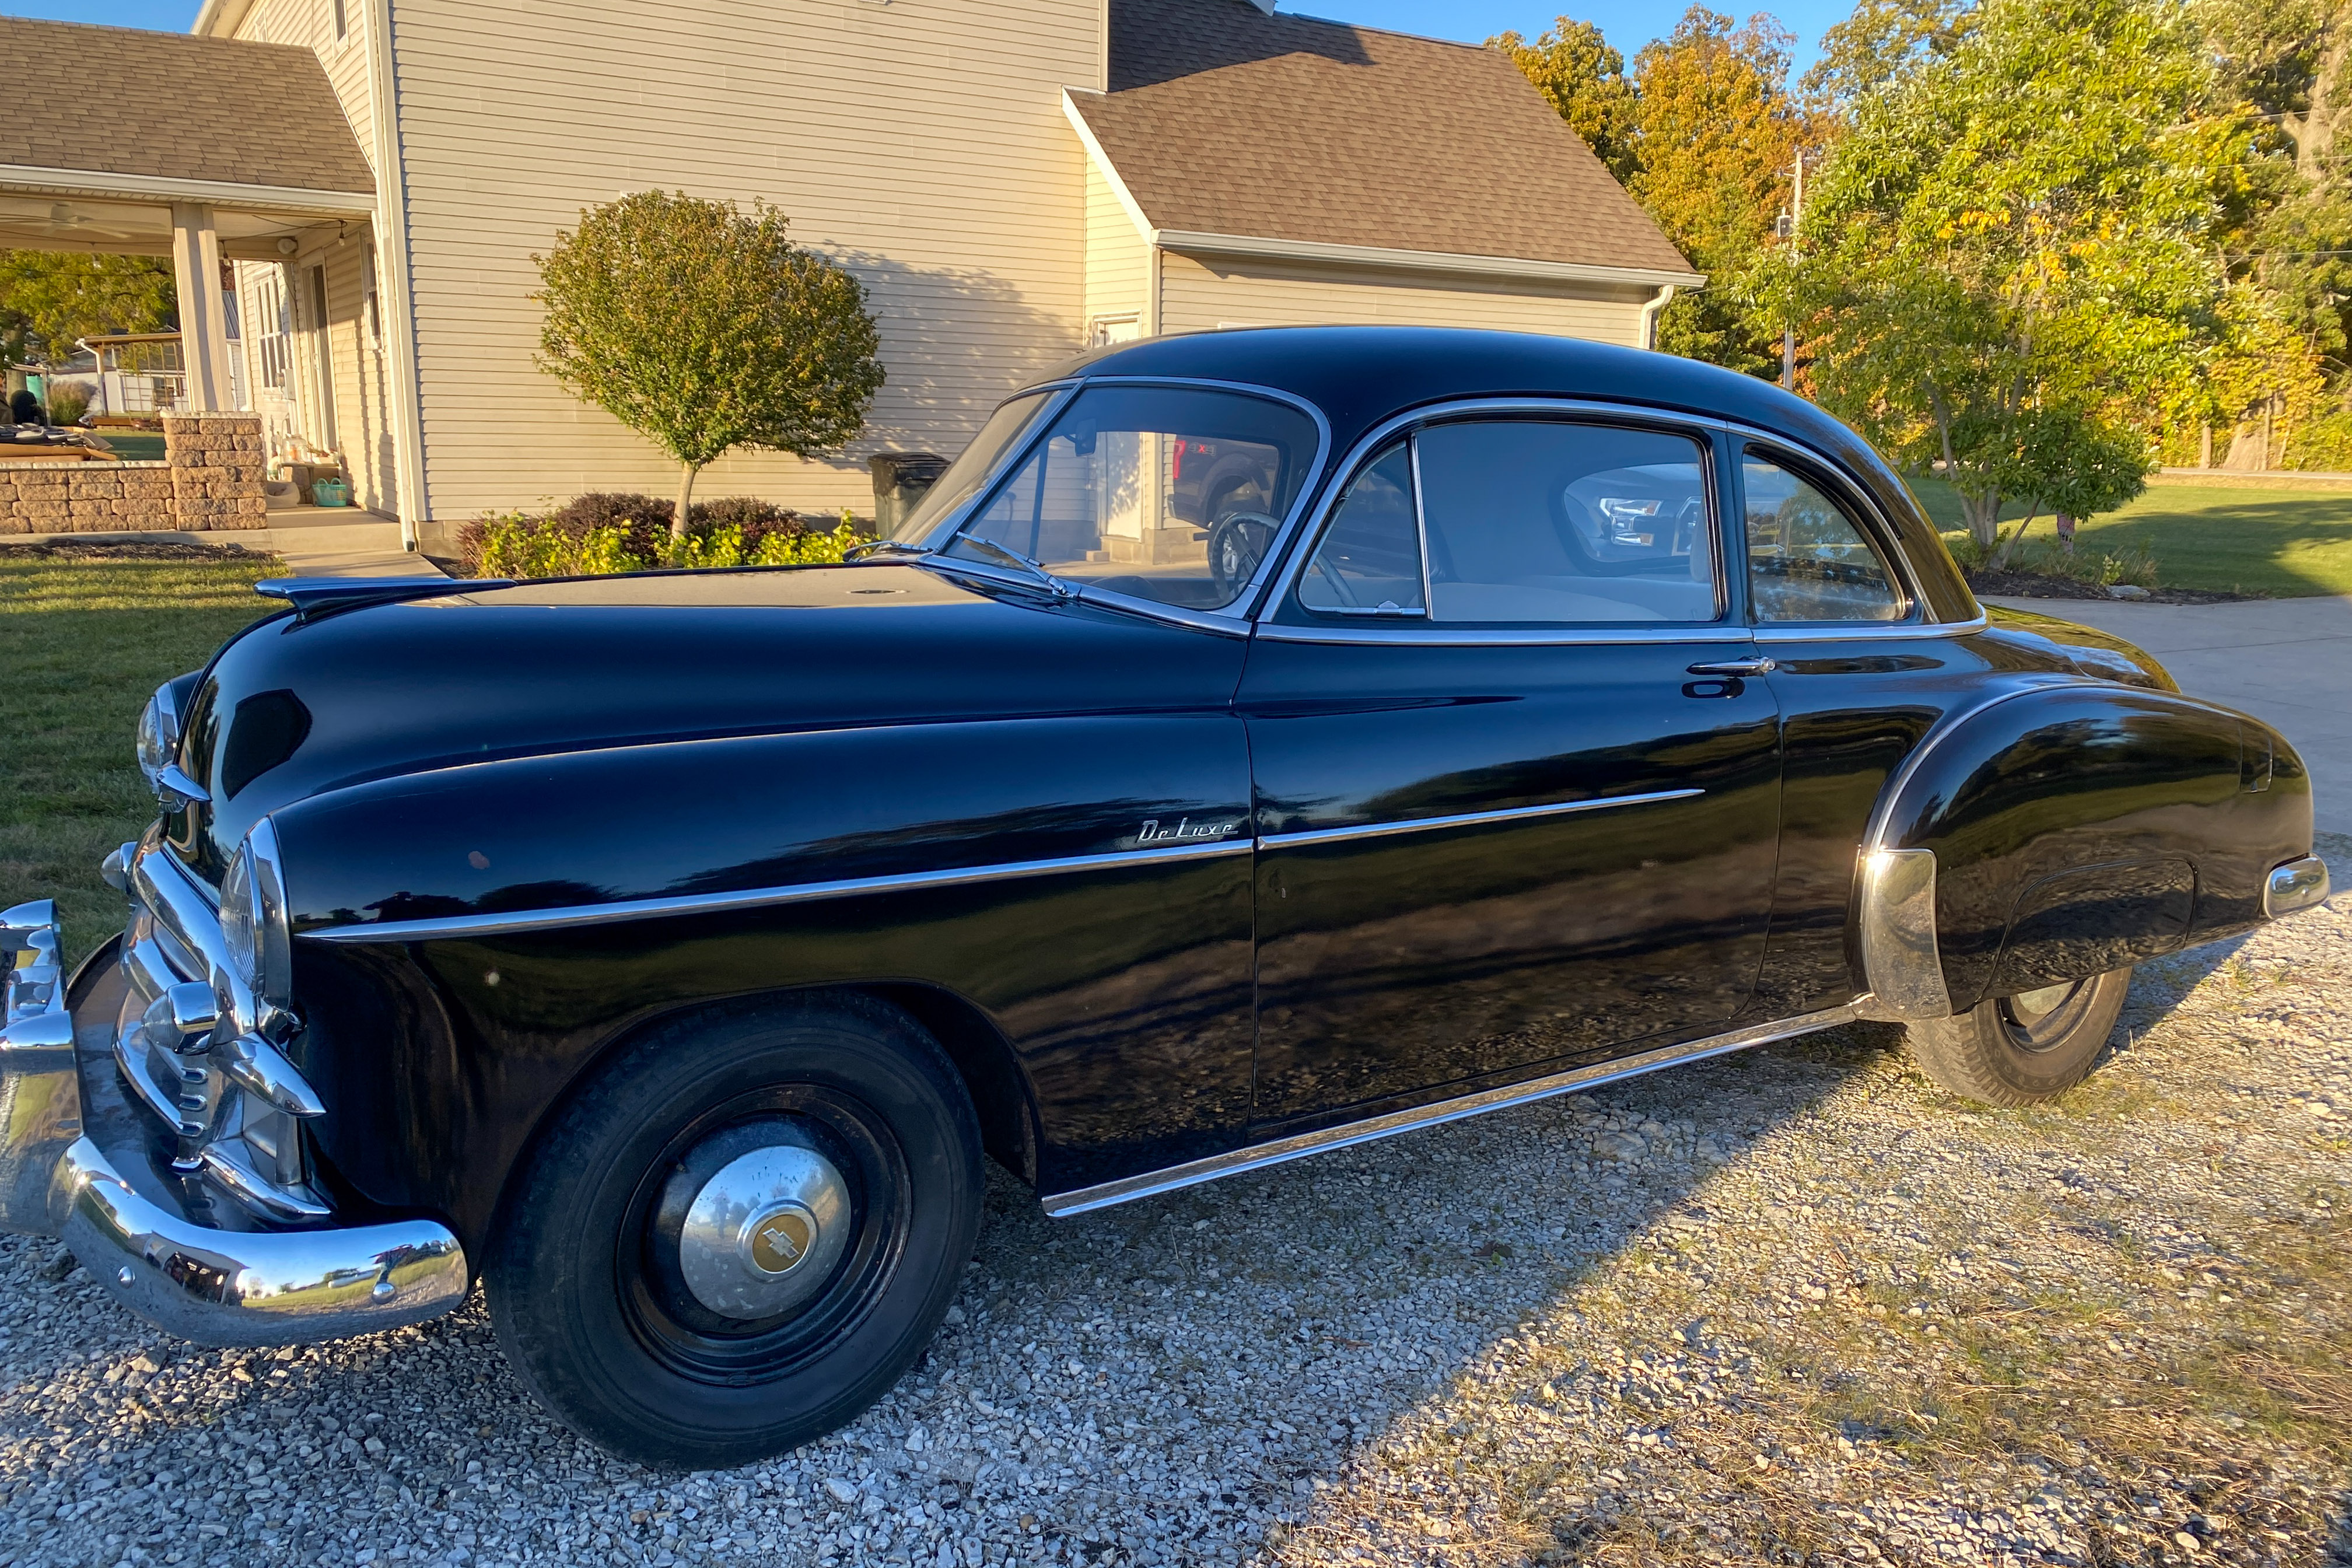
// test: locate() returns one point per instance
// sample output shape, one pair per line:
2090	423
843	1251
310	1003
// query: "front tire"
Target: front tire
2019	1050
742	1233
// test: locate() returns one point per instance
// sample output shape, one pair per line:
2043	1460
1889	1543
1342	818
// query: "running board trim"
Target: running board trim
1258	1156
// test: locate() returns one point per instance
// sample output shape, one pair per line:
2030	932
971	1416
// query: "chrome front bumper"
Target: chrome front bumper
79	1160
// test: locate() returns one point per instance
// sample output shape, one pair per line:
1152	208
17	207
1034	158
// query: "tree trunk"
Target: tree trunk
2008	546
685	472
1983	516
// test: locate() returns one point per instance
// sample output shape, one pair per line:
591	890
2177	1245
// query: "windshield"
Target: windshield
1004	429
1166	493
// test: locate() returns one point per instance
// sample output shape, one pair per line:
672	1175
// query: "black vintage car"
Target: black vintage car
1257	744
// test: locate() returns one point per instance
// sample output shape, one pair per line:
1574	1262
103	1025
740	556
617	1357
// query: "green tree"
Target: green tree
1880	41
1717	133
1573	66
50	298
704	329
2016	241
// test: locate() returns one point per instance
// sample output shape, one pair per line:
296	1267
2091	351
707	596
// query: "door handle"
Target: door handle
1737	668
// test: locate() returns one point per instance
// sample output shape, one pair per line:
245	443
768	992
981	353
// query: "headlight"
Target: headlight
159	733
253	920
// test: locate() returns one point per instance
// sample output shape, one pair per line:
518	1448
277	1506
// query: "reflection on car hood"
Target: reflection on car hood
291	708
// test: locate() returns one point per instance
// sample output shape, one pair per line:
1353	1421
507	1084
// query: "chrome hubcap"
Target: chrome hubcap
2033	1003
764	1234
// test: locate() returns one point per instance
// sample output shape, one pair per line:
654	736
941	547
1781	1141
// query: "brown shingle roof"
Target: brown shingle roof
1222	120
118	101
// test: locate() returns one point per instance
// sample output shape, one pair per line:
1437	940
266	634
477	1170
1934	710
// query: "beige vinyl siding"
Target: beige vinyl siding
921	144
1201	292
1118	259
363	422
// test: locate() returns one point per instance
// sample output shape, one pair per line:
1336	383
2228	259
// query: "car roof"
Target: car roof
1361	375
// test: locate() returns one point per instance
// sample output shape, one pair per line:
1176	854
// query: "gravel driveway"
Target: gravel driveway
1793	1306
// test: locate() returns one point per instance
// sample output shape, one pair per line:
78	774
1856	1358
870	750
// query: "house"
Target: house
1012	184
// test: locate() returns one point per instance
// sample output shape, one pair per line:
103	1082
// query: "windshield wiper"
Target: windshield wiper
1059	588
882	547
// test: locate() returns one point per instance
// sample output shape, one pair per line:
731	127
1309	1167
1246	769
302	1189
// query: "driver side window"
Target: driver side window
1369	560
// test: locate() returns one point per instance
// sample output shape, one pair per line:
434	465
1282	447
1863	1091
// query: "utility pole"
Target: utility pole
1789	220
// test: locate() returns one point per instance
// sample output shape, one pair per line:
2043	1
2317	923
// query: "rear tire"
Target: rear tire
646	1279
2018	1050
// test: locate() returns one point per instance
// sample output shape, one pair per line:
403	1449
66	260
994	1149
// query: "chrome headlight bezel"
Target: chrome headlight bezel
158	743
255	931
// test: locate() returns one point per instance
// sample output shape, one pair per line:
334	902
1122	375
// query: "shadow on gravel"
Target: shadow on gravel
1167	1379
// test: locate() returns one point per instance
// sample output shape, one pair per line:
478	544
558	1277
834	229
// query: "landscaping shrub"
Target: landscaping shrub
603	533
68	404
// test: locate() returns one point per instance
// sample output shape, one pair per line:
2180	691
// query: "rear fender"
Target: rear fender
2059	831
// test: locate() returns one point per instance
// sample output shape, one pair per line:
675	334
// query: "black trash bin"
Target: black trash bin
899	480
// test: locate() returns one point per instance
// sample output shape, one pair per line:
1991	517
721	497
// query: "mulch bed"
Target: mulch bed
120	550
2013	584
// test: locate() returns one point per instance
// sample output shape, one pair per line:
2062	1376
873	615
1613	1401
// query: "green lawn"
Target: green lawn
2254	538
82	644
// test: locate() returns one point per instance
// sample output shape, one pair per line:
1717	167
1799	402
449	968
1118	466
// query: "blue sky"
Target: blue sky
1627	23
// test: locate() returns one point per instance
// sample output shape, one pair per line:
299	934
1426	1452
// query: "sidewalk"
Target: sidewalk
2283	660
313	542
339	541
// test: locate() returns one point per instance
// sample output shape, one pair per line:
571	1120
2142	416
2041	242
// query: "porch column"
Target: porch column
203	333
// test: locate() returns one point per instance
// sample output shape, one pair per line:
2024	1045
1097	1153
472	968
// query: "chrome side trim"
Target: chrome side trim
761	898
2296	885
1866	631
1467	819
1257	1157
1900	958
1440	634
251	1288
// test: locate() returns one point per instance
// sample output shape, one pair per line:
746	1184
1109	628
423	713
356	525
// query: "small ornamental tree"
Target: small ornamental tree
704	328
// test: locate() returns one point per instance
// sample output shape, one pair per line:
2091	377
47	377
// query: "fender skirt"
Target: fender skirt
2056	832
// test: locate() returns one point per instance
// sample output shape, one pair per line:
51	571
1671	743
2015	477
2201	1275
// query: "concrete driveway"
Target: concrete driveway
2284	660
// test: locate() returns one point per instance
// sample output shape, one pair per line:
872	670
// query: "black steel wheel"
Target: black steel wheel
742	1233
2017	1049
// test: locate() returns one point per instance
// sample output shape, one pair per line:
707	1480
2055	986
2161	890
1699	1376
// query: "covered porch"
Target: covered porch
232	159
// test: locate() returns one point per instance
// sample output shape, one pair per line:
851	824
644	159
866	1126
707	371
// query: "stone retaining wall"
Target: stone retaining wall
210	481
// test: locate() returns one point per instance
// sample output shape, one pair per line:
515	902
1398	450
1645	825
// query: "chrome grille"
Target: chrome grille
233	1103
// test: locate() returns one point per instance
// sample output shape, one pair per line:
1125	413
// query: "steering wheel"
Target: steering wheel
1236	545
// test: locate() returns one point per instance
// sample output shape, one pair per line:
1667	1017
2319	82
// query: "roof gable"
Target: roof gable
1222	120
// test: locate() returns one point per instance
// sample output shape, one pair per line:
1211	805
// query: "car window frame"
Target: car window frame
1234	619
1859	511
1728	626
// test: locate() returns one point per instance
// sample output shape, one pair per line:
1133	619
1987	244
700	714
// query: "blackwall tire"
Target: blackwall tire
640	1308
2019	1050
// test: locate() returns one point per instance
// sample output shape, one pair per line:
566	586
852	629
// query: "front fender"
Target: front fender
470	940
2066	830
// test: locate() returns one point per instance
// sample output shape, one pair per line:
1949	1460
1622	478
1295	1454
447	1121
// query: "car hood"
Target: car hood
295	708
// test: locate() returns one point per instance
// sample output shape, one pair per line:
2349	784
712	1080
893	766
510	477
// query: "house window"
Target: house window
272	318
342	24
370	306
